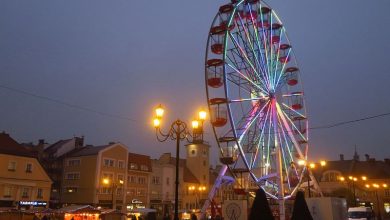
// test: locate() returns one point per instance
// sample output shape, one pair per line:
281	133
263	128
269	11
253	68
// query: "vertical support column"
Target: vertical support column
278	161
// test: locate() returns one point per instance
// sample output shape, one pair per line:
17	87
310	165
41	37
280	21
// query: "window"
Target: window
387	192
7	192
144	168
74	162
25	192
11	166
28	168
156	180
167	181
133	166
193	152
331	176
108	162
204	163
131	192
131	179
204	152
119	191
39	193
141	180
155	194
121	164
72	176
141	192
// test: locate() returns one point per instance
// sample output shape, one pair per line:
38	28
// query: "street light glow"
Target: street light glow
367	185
301	162
342	179
106	181
323	163
195	124
156	122
312	165
202	115
364	178
159	111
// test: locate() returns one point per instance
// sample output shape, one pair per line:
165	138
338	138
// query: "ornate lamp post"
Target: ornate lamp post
113	186
179	131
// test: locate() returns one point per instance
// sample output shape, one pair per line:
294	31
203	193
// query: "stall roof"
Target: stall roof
79	209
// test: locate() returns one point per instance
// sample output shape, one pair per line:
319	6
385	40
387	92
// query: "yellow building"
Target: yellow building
23	181
96	175
138	181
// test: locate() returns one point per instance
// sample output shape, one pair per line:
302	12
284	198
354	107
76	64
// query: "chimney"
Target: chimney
79	141
111	142
41	141
367	157
387	161
341	156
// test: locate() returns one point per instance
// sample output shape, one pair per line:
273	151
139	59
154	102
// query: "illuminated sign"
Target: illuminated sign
33	203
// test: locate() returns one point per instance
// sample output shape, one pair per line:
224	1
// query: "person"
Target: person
193	217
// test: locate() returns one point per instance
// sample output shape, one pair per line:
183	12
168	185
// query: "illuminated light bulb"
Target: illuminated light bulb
195	124
159	111
202	115
323	163
156	122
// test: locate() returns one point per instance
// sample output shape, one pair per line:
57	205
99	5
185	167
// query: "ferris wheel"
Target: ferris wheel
255	97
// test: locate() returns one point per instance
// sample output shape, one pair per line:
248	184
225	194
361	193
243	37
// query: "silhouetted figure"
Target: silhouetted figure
193	217
260	209
301	211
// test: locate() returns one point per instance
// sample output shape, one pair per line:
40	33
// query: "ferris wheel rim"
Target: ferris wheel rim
229	102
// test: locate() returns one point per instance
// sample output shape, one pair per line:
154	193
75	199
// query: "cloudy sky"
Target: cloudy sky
98	68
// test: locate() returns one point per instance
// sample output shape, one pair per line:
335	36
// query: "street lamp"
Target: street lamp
310	166
197	191
106	181
376	187
179	131
354	179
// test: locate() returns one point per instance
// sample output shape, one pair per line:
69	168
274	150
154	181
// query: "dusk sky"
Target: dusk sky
122	58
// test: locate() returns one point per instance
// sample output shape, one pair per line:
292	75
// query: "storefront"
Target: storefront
80	212
25	205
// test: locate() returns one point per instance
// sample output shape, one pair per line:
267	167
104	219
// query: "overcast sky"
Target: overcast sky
124	57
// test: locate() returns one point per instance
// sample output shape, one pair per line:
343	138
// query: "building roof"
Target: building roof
373	169
188	176
87	151
140	159
9	146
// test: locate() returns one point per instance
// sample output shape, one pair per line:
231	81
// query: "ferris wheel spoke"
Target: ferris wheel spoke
245	56
264	39
293	110
243	52
283	68
284	157
285	139
250	39
277	61
289	131
294	127
262	130
249	119
263	63
247	79
239	60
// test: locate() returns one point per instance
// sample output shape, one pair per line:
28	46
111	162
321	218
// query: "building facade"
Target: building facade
138	181
23	181
96	175
362	182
